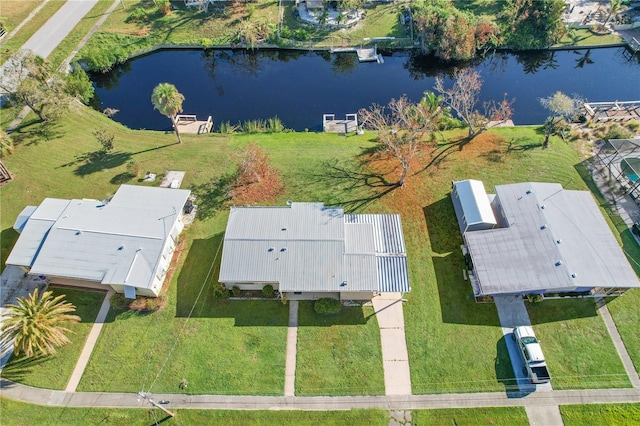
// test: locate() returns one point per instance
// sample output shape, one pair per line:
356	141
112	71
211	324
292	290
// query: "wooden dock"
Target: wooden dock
612	111
191	124
331	125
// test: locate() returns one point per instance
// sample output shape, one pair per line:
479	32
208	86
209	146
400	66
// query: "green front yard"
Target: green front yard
14	413
53	372
338	354
601	414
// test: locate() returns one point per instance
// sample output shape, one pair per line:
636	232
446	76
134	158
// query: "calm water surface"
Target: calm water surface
298	87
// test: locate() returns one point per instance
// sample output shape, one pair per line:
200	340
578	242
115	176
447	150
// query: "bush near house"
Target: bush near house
327	306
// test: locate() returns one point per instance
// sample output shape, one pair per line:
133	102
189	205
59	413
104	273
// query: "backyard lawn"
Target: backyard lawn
53	372
238	347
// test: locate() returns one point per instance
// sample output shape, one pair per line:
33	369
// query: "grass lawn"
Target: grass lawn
18	414
53	372
601	414
70	42
626	315
585	38
14	12
339	354
577	346
455	344
507	416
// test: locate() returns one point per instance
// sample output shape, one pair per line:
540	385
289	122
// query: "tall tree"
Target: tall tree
532	24
166	99
32	81
562	107
37	324
403	128
463	97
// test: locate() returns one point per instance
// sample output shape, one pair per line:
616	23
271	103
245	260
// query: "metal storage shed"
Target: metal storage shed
472	206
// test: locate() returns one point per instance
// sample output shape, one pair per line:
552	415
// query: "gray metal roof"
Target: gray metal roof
116	243
308	247
556	240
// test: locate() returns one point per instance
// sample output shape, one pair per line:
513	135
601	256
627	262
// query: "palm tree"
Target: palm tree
168	101
36	324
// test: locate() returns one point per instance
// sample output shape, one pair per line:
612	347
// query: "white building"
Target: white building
308	251
125	244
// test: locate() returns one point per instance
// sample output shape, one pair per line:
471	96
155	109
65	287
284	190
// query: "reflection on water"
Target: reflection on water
299	86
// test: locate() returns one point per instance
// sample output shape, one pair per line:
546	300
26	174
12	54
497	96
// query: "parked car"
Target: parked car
534	363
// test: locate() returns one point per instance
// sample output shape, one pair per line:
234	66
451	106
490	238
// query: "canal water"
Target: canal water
300	86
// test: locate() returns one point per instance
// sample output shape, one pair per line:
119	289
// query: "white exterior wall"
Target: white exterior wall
356	295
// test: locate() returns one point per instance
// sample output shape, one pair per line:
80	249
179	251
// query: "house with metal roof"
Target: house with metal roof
308	251
125	244
549	241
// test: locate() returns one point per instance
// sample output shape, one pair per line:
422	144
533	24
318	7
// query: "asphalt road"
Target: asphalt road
50	35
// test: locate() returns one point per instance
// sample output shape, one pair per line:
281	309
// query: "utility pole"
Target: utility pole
147	396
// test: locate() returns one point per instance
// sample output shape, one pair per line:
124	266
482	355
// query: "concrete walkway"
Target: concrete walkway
544	415
292	350
83	360
395	358
390	402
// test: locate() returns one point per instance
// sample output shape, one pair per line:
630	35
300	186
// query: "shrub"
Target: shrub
138	15
227	128
633	125
118	301
534	298
155	303
327	306
105	139
236	291
267	290
275	125
617	132
133	168
220	292
164	7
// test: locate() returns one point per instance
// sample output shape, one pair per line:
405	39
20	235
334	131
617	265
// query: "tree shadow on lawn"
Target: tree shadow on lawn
35	131
19	366
198	281
555	310
357	186
8	238
212	196
457	302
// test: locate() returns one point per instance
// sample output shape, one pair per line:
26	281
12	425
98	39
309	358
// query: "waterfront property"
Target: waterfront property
546	240
125	244
308	251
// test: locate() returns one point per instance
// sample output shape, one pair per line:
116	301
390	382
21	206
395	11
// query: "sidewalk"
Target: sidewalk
398	402
395	358
92	338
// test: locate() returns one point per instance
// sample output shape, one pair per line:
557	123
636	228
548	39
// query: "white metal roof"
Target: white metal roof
556	240
116	243
474	202
308	247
